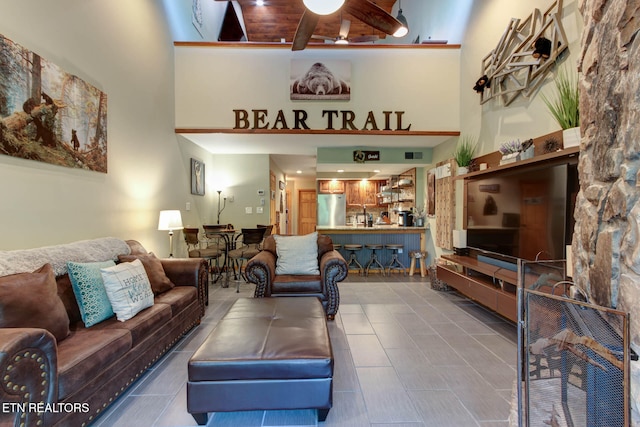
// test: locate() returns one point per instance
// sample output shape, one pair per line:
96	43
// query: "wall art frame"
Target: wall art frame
48	114
314	80
197	177
517	66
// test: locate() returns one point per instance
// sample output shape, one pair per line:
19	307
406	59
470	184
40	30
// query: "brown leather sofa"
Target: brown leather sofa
261	270
71	381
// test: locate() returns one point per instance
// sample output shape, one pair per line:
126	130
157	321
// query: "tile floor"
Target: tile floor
405	355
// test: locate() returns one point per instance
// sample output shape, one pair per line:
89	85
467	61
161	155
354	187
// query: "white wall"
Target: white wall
526	117
492	122
125	50
213	81
202	207
241	176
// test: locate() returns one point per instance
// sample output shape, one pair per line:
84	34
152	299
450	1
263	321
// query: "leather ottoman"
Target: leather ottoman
264	354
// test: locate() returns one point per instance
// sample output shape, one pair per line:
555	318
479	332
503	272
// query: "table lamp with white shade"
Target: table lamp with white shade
170	220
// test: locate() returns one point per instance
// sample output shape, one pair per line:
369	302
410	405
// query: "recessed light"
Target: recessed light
340	170
260	3
376	171
298	171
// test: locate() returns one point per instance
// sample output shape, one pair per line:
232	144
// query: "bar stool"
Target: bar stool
337	246
420	256
373	260
353	248
395	263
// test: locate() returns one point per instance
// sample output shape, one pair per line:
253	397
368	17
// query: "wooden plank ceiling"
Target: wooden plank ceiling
279	19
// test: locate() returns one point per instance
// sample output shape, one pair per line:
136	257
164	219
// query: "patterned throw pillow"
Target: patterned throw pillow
89	290
297	254
30	300
128	288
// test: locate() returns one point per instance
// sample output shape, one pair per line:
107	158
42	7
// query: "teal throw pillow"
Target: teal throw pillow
89	290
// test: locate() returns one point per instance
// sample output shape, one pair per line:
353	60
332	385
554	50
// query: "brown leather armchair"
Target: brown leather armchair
261	270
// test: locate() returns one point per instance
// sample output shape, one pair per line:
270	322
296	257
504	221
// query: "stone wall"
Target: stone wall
606	242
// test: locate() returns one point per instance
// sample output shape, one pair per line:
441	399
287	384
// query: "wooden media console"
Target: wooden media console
492	286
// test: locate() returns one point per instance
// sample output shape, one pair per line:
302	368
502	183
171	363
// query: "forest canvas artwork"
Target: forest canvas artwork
49	115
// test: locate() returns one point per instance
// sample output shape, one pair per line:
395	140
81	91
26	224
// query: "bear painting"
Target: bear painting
320	81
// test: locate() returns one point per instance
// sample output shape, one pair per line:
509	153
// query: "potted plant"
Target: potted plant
419	216
564	107
464	153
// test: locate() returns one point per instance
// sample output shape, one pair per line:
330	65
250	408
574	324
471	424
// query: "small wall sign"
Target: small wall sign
360	156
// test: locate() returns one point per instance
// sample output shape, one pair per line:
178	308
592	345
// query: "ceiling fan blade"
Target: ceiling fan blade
364	39
344	28
372	15
317	37
305	30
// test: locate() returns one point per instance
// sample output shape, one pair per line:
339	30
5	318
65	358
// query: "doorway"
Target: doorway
307	206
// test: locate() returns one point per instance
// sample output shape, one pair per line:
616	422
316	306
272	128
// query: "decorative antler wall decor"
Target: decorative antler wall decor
523	56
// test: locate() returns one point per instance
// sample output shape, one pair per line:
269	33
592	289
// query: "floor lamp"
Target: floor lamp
223	206
170	220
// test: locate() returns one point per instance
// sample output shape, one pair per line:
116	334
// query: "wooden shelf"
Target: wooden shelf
555	157
420	133
287	46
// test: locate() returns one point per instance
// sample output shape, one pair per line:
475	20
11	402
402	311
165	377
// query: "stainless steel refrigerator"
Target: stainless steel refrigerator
332	210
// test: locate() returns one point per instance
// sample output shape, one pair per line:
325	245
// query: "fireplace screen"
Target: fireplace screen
574	359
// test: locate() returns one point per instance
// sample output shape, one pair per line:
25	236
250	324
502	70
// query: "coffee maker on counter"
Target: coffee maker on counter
405	218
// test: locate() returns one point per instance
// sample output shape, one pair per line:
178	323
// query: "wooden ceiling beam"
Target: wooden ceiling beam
279	19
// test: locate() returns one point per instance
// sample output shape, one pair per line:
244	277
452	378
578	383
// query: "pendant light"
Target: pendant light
404	30
323	7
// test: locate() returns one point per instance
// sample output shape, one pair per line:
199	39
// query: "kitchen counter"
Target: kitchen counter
412	238
376	229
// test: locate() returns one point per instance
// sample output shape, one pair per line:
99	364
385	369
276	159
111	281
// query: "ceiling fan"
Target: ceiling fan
364	10
343	35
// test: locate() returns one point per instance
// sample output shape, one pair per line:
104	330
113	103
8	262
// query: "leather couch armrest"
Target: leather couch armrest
261	270
184	271
333	269
29	375
189	272
333	258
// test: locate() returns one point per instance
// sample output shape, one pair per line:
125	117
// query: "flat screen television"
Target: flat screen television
523	213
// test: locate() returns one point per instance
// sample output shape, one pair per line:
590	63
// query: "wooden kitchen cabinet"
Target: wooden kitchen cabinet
352	190
331	186
369	192
362	192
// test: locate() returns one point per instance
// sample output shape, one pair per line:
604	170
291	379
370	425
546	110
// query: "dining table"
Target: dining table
224	238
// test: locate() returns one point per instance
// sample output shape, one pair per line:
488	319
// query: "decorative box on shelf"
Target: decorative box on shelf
528	153
517	156
509	158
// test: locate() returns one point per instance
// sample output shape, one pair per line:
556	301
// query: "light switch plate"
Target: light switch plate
259	209
248	210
